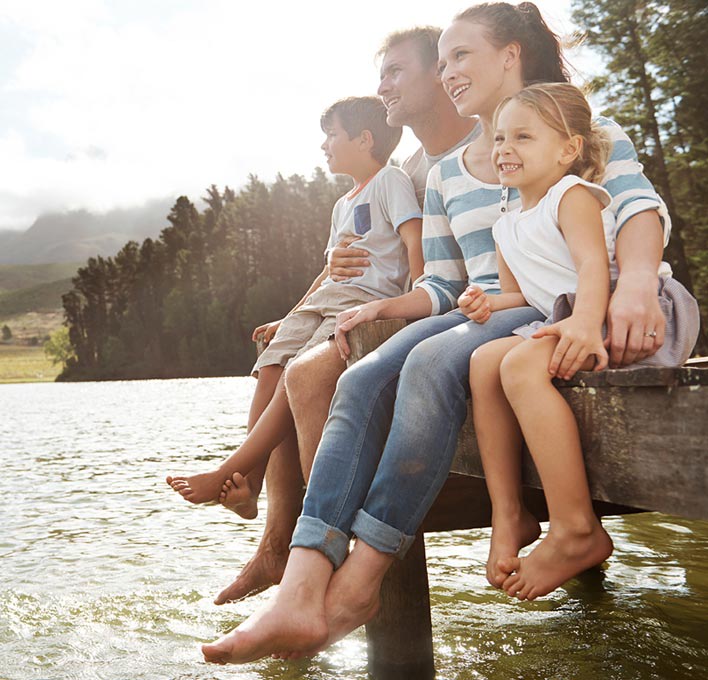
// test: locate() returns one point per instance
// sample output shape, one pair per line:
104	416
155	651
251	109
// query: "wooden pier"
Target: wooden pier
645	440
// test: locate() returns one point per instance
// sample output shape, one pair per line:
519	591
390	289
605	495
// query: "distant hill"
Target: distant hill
46	297
14	277
77	235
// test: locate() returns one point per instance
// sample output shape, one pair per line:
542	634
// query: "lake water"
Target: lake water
106	573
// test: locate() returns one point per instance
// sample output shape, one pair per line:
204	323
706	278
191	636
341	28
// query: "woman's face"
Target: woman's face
475	74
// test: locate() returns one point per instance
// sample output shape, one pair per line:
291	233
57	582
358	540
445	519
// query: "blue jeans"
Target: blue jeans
388	444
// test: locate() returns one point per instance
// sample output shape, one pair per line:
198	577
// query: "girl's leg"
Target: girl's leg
499	440
273	425
576	540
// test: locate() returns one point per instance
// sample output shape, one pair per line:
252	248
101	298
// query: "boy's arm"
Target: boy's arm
411	234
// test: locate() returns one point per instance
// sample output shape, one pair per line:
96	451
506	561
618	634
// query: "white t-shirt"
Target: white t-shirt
536	251
375	213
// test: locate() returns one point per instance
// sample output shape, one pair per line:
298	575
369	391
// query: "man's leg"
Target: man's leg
310	382
284	489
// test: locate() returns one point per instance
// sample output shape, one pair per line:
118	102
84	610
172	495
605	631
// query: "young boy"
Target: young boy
383	210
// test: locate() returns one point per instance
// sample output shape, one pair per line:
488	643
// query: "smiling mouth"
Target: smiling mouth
457	91
509	167
388	103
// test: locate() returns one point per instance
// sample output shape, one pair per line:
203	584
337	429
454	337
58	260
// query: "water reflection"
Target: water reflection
105	573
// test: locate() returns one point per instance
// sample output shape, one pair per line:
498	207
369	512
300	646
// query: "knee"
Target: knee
523	369
301	379
484	366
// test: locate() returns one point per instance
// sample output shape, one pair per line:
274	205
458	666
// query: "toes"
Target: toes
523	594
508	565
238	479
512	584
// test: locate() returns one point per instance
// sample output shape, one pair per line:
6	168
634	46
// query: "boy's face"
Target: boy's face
341	152
408	88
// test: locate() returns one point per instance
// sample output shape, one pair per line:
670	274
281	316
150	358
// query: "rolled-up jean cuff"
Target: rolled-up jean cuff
311	532
380	536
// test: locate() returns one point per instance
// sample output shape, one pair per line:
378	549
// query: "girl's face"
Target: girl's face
475	74
528	153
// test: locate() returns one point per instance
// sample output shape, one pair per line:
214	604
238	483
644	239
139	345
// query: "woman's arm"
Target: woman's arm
580	335
634	308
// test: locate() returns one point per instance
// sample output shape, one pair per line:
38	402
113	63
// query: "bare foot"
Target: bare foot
238	496
285	622
559	557
262	571
203	488
509	535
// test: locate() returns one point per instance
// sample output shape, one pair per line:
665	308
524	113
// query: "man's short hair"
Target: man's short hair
425	39
356	114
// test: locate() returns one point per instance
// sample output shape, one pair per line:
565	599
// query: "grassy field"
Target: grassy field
25	364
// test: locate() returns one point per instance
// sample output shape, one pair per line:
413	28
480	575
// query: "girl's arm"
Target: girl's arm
580	335
478	306
411	234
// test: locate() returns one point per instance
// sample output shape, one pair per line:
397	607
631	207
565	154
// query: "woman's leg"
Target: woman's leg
499	440
207	486
576	540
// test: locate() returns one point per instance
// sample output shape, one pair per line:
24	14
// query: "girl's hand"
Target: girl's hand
474	304
578	340
268	330
349	319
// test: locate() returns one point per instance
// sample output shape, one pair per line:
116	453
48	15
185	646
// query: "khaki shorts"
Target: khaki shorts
310	324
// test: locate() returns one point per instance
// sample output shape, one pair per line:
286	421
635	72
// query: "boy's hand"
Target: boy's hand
349	319
343	260
578	340
474	304
268	331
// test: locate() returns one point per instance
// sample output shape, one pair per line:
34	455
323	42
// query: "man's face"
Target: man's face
408	88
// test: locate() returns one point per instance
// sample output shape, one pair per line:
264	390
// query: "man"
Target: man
411	90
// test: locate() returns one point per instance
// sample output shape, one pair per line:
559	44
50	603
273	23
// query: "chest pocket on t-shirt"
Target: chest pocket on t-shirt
362	218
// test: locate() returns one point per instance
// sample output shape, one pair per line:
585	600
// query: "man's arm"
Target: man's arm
411	234
634	310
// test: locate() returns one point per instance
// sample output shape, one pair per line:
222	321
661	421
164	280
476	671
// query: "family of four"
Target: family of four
537	253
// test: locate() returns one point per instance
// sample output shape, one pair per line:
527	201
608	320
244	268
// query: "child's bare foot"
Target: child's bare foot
292	623
203	488
559	557
509	535
262	571
238	496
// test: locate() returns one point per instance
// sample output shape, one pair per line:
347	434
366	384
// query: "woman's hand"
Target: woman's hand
577	340
635	323
474	304
268	330
344	261
349	319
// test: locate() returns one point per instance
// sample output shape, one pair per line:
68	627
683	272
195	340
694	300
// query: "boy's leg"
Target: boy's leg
207	486
499	440
576	540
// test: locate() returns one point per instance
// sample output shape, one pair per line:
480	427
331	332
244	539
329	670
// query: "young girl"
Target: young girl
555	253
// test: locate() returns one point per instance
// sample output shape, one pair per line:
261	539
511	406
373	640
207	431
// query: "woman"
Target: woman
389	443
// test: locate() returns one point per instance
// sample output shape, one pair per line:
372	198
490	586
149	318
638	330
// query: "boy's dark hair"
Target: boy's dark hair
356	114
425	39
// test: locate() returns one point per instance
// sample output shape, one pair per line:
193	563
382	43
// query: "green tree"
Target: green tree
6	333
58	348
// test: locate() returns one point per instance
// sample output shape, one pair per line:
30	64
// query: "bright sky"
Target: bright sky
109	103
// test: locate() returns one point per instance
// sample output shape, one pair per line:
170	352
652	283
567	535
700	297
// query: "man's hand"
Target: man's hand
635	323
344	261
474	304
268	330
349	319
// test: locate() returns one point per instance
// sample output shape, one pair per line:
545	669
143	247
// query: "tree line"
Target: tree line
185	304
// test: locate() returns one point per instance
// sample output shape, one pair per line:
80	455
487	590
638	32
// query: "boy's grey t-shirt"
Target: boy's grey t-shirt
417	166
375	213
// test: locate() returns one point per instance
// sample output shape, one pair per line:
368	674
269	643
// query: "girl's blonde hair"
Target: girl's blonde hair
563	108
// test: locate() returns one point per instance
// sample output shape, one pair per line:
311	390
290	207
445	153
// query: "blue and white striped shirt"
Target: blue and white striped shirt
459	213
